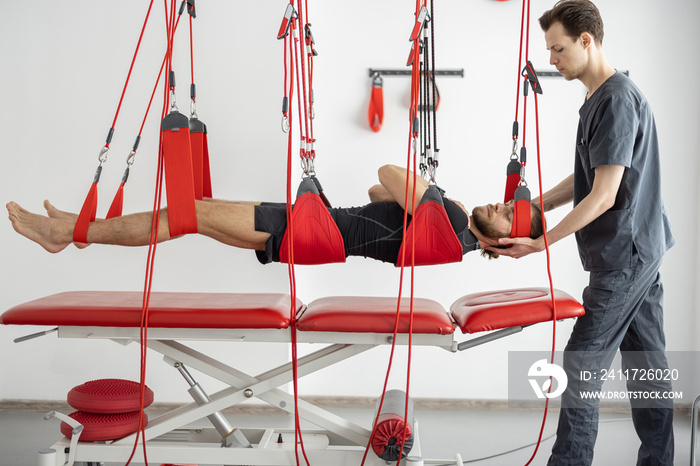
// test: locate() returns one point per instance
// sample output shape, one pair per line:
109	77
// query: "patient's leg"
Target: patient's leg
52	234
231	224
53	212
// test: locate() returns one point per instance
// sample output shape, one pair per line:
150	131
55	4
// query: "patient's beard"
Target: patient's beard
483	225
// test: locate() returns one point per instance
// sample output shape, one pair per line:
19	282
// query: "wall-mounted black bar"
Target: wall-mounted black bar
556	74
395	72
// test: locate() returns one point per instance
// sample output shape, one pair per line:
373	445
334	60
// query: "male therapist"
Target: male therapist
622	231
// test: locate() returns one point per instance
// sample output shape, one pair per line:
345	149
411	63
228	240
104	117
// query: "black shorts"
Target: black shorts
374	230
271	217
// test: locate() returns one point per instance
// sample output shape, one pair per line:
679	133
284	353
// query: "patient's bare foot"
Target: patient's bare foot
53	212
51	234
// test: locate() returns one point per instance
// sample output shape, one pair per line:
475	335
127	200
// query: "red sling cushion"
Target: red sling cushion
435	240
521	213
317	239
179	178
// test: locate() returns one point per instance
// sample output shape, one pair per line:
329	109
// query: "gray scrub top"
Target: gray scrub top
616	127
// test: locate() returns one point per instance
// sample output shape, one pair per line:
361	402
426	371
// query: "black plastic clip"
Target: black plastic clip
190	8
530	76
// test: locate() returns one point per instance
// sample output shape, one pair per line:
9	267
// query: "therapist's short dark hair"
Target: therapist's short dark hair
577	17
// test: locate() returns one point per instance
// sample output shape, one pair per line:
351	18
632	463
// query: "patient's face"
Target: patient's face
494	220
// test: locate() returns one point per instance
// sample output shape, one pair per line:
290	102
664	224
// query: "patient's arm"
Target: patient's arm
379	193
393	186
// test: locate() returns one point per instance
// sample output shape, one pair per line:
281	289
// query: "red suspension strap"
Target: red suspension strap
408	252
88	212
375	112
516	186
289	31
177	158
171	26
432	239
198	130
116	207
283	33
317	239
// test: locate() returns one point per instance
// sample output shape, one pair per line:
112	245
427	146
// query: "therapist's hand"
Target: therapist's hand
519	247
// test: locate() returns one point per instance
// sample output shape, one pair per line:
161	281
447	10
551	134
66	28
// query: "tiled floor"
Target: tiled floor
481	437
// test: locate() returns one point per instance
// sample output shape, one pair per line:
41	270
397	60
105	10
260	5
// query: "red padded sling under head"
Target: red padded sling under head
521	213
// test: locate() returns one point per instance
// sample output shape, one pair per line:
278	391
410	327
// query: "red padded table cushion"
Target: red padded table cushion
169	310
109	396
373	315
492	310
102	427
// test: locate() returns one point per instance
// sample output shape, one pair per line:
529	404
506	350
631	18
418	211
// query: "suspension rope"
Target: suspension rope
520	67
128	76
530	81
415	126
433	78
171	25
293	56
116	207
551	286
88	212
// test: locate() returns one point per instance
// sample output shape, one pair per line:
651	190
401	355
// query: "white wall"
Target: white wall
61	72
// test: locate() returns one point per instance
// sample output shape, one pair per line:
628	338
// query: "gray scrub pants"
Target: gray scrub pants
624	309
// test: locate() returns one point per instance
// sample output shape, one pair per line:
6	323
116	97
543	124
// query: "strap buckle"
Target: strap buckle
131	158
193	109
420	22
104	152
310	42
514	153
289	15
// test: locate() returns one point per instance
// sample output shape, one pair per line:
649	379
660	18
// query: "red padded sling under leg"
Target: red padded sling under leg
179	181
